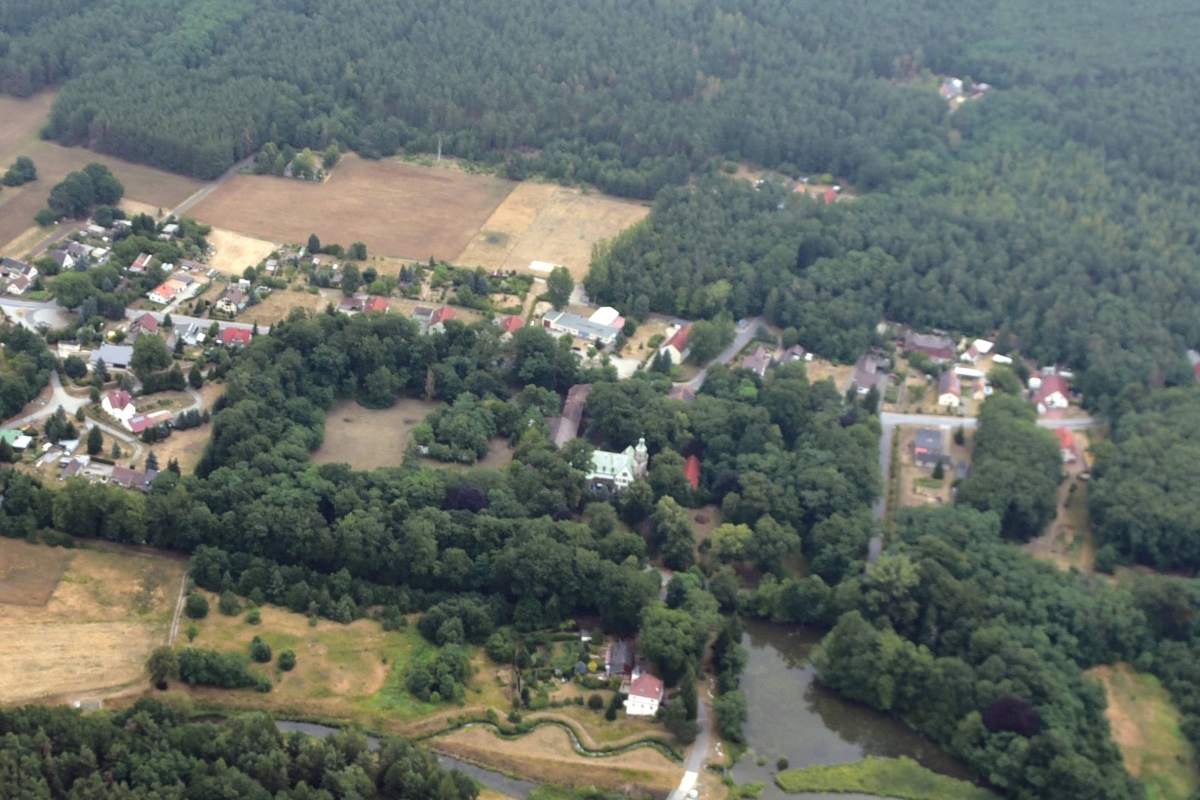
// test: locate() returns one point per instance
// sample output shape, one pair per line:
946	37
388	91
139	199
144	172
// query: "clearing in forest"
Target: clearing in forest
367	438
95	628
20	121
1145	725
555	224
397	209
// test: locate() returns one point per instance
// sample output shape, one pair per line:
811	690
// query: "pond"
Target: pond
496	781
792	715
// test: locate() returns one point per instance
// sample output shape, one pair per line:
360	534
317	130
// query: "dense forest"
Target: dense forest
1143	499
149	751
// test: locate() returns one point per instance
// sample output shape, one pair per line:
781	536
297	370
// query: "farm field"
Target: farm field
1145	725
100	615
367	438
555	224
546	755
397	209
20	121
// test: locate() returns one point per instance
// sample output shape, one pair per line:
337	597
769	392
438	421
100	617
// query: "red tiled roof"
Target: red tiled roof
1050	385
147	322
512	324
679	340
441	315
691	471
1066	439
374	304
236	336
119	399
830	196
646	685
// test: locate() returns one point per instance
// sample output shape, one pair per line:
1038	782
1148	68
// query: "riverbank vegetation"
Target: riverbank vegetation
901	778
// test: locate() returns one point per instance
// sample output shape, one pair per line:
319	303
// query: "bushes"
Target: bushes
229	605
196	606
228	671
442	680
287	660
595	702
260	651
462	619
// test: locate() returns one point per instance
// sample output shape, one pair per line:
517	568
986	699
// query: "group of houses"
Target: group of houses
761	359
119	405
17	276
643	692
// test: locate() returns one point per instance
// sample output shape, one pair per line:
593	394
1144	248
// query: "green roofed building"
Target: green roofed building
615	471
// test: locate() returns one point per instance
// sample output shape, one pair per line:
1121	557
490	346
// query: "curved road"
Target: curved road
742	338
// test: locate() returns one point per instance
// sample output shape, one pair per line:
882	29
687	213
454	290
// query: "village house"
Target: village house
119	406
691	471
564	322
645	695
63	259
618	659
677	346
231	302
758	361
949	390
193	335
78	250
352	305
133	479
869	372
565	427
169	290
145	324
615	471
140	422
19	285
12	269
141	264
939	348
509	327
236	337
1066	442
375	305
795	353
927	447
978	349
1052	393
432	320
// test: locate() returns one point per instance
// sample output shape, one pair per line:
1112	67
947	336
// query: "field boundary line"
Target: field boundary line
178	610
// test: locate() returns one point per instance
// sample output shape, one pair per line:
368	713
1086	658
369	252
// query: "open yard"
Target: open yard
279	303
20	121
93	630
397	209
366	438
555	224
546	755
1145	725
235	252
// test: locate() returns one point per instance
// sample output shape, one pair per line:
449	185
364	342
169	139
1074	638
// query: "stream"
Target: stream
793	716
496	781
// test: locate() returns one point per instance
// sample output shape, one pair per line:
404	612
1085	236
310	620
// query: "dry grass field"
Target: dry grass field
279	303
397	209
542	222
94	631
546	755
1145	726
366	438
235	252
20	121
29	574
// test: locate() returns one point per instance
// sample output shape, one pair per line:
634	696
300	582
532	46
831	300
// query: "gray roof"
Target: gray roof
113	354
584	328
930	440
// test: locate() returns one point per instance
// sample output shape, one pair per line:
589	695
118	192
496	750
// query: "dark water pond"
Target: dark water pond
496	781
791	715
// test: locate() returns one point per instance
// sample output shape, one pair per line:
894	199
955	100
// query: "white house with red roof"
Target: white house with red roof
1052	394
645	695
140	264
119	406
677	346
509	326
146	323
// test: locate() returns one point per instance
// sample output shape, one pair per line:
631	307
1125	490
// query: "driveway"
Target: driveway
742	338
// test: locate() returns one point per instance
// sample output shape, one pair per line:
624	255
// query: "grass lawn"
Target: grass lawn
1145	725
894	777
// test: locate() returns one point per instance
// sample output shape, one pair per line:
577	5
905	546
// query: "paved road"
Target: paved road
889	420
742	338
63	230
34	306
694	762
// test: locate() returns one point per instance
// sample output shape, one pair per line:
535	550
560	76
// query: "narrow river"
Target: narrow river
496	781
794	717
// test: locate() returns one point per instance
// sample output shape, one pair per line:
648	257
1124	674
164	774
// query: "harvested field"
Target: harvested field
94	632
540	222
235	252
366	438
29	574
546	755
20	121
1145	726
397	209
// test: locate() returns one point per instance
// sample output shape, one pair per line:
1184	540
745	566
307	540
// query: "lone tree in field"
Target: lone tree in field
287	660
163	666
559	285
196	606
314	244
